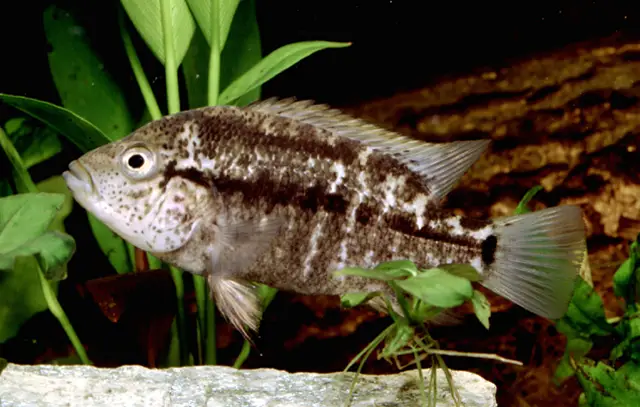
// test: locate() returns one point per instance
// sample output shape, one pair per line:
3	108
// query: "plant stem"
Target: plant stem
210	315
244	354
136	66
472	355
58	312
200	288
214	57
26	185
176	274
170	66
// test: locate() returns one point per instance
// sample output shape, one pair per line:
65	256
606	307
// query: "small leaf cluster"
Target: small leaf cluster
615	381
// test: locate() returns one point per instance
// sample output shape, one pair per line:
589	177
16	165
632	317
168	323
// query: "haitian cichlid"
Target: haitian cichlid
286	192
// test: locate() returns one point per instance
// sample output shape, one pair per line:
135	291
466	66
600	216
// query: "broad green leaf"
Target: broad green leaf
481	307
147	19
585	316
522	206
438	288
75	128
273	64
111	245
404	265
195	68
351	300
20	296
24	223
80	78
625	280
35	144
24	217
384	275
606	387
462	270
52	250
57	185
242	50
201	10
576	349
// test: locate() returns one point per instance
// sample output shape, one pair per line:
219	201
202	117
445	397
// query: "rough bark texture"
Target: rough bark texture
569	121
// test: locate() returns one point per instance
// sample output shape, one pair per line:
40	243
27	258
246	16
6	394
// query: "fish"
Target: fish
285	192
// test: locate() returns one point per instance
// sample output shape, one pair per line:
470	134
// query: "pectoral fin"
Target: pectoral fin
239	244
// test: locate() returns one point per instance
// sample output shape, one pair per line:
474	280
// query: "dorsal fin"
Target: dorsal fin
440	164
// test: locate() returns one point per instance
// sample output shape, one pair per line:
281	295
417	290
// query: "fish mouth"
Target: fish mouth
78	179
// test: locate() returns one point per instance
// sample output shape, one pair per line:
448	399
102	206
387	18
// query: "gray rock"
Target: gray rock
220	386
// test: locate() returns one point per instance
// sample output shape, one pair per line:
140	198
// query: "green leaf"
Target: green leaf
481	307
273	64
242	50
147	19
75	128
57	185
3	364
462	270
522	206
84	86
111	245
195	68
438	288
20	296
585	316
201	10
376	274
403	265
576	349
625	280
24	217
35	144
52	250
604	386
24	232
351	300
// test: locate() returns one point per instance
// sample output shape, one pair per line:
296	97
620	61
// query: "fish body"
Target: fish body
284	193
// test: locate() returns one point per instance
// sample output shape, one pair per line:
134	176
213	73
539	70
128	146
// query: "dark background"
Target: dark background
397	44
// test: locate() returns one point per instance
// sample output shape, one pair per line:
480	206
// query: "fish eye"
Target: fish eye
138	162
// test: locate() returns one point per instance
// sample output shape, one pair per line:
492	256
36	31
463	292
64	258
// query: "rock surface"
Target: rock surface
220	386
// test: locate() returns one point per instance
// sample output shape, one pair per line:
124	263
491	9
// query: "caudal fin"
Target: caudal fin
536	258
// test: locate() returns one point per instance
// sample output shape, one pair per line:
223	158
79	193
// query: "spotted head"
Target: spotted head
134	185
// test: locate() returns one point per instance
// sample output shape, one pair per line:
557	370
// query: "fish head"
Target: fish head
131	186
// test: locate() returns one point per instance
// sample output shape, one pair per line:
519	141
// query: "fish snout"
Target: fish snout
78	178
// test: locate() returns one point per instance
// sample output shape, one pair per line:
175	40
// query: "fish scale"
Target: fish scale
284	193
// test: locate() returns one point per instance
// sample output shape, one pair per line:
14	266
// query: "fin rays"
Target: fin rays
441	165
